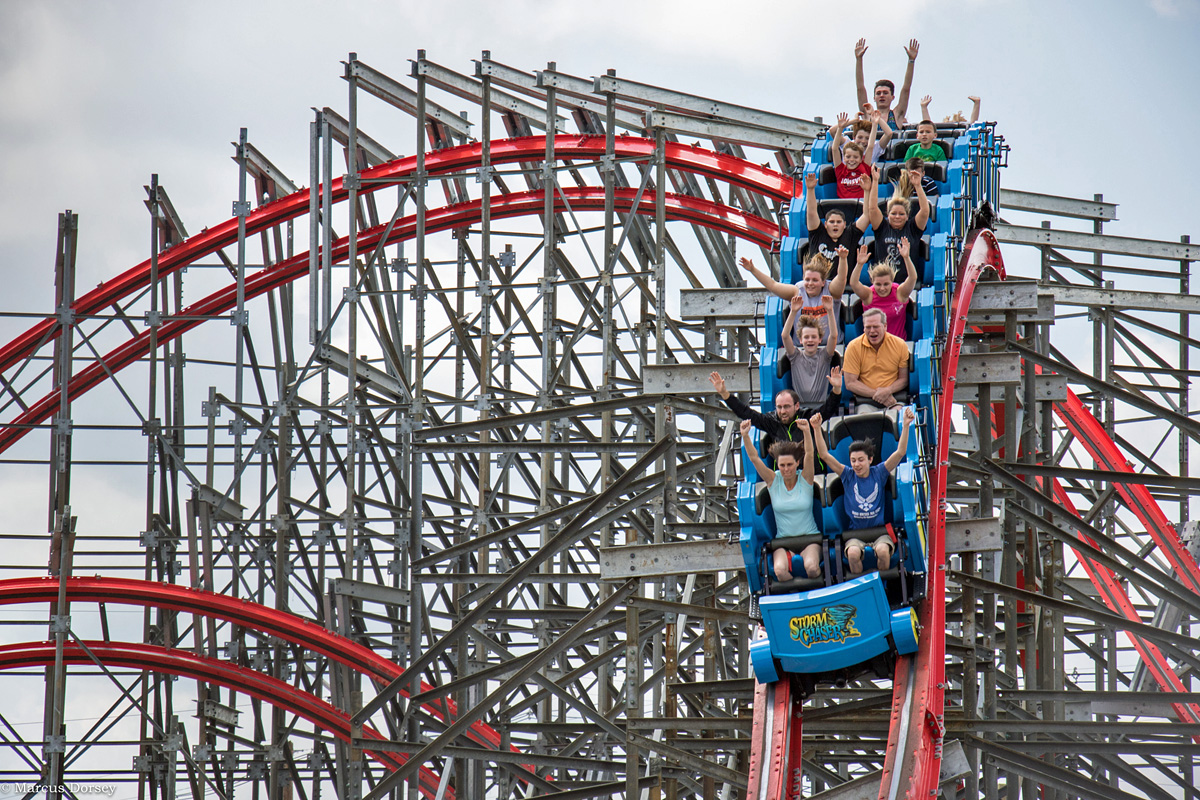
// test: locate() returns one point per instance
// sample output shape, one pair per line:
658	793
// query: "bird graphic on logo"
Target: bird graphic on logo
865	503
831	624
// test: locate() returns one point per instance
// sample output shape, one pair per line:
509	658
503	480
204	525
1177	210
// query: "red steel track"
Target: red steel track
678	207
1117	599
1137	497
182	662
280	624
911	768
438	163
912	765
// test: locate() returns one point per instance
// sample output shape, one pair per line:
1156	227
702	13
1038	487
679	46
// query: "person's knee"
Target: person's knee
783	565
854	555
883	555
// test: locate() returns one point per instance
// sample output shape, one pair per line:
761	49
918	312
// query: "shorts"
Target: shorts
884	539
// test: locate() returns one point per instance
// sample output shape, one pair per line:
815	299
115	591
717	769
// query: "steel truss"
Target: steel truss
450	521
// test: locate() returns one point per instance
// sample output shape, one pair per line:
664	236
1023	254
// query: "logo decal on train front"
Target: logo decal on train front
832	624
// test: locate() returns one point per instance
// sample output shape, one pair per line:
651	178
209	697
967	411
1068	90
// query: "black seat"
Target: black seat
863	426
854	312
851	206
912	206
762	498
933	169
897	149
942	130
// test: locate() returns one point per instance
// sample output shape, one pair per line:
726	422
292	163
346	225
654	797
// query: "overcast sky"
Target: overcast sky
97	95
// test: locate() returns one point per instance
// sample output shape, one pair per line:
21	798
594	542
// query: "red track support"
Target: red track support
912	765
1117	599
280	624
181	662
438	163
679	207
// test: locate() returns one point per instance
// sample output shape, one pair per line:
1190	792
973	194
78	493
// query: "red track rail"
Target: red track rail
1117	599
1137	497
678	207
912	766
181	662
280	624
438	163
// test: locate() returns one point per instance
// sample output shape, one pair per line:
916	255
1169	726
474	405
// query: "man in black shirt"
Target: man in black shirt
780	424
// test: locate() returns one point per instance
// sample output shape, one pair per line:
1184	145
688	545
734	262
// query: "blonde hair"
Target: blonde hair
899	201
904	187
882	268
818	263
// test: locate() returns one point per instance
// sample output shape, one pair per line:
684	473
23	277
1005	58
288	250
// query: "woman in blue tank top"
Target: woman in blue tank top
791	489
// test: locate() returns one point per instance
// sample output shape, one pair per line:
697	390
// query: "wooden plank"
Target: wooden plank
723	304
1047	389
692	379
669	559
974	535
994	368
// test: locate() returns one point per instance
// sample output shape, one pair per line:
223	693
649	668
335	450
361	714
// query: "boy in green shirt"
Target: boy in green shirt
924	148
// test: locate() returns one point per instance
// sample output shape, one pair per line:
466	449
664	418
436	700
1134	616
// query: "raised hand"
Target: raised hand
864	253
746	263
745	428
815	419
717	382
797	302
926	100
843	119
810	181
909	416
826	301
973	98
913	47
802	424
905	247
875	173
860	48
842	252
865	183
835	380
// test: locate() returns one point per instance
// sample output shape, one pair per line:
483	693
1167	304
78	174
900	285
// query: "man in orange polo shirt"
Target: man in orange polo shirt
876	365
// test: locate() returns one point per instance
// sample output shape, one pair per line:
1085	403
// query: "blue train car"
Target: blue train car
831	629
837	625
